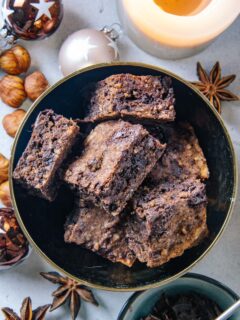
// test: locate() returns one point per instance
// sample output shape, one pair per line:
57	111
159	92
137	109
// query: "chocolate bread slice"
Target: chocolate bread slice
116	158
183	157
169	218
135	97
100	232
52	139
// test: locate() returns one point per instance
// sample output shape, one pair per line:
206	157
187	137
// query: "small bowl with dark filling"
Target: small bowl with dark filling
191	297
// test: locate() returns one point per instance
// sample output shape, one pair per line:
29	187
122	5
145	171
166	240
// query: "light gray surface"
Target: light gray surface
223	262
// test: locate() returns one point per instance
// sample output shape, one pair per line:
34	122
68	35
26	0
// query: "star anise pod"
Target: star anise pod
213	86
69	291
26	312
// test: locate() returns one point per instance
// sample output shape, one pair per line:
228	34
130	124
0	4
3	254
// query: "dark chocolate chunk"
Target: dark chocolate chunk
186	306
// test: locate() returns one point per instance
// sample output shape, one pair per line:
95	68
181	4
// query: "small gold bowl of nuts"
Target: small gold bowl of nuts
14	246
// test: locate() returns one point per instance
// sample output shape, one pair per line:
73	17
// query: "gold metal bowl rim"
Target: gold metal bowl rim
213	110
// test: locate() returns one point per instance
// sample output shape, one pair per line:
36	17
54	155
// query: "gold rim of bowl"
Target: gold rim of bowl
213	110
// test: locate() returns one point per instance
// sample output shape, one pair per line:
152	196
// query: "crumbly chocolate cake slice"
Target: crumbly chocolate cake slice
135	97
100	232
52	139
116	158
183	157
169	218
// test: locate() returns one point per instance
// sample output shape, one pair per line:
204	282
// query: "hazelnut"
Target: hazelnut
4	163
5	196
12	91
35	85
15	61
12	121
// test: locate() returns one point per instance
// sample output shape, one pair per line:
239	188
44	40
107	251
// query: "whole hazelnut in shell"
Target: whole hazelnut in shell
15	61
12	91
5	196
4	164
12	121
35	85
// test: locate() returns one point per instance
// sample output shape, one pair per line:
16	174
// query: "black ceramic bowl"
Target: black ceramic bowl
42	222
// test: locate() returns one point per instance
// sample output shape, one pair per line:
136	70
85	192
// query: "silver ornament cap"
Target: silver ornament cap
87	47
7	40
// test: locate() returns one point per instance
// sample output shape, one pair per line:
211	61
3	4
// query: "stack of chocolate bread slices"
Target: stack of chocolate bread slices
137	197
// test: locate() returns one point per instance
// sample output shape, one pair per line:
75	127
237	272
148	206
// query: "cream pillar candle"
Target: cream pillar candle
173	29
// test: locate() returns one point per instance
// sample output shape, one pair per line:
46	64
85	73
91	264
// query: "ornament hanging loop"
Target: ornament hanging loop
112	32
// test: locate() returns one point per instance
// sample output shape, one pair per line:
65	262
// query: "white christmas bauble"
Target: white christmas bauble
86	47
